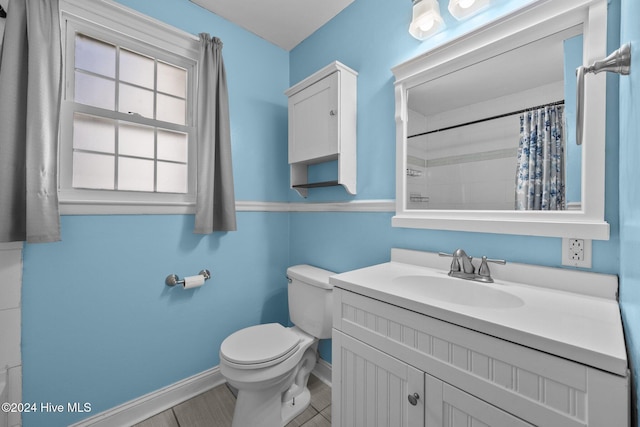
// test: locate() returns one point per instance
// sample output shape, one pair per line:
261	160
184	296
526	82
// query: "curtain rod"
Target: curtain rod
561	102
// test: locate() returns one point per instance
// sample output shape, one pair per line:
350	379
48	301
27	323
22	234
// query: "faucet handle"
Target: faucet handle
484	275
455	264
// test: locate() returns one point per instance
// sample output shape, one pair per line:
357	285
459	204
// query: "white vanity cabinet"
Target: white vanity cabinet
322	126
380	390
386	358
449	406
374	386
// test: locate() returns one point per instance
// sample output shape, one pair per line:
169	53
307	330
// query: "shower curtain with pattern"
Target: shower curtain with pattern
540	181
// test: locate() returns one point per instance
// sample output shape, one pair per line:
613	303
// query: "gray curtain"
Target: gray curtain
30	87
215	200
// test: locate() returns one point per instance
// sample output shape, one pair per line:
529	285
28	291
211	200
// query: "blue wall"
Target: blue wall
371	37
100	326
629	189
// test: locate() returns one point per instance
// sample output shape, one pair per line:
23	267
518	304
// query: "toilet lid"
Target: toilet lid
259	344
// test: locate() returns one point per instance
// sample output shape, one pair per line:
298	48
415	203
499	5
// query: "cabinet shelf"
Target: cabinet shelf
317	184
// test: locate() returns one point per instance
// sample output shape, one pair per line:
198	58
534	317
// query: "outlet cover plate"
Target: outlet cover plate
576	252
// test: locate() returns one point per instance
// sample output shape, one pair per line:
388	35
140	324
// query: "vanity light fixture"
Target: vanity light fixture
426	19
461	9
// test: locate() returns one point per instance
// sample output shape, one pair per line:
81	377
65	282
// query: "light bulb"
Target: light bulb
462	9
427	23
426	19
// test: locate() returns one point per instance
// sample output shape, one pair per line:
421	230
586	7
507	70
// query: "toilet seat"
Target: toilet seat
259	346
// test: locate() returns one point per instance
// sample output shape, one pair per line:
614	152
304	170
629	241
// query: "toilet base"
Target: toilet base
295	406
257	409
273	396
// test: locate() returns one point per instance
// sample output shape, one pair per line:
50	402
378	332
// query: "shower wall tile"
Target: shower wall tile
9	337
11	273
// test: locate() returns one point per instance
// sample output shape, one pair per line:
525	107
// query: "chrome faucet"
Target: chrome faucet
463	268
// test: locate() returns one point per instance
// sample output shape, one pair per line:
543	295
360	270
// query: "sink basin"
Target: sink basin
457	291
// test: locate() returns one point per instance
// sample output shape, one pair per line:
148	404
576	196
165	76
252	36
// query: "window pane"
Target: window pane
136	100
135	174
136	69
172	146
93	133
93	171
172	178
136	150
172	80
95	56
95	91
171	109
135	140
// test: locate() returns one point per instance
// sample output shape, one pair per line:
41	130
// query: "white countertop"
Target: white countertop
579	327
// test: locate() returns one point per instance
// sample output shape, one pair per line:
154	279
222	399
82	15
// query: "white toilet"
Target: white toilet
270	364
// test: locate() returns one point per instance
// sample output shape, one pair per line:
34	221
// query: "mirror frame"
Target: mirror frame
531	22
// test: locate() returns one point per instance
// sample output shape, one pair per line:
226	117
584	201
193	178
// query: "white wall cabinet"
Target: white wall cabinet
383	355
322	126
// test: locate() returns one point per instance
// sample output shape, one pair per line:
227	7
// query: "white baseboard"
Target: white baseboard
146	406
322	370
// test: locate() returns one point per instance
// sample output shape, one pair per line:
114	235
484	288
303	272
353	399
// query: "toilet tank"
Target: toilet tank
311	299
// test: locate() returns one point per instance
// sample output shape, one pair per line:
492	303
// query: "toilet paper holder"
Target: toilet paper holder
173	279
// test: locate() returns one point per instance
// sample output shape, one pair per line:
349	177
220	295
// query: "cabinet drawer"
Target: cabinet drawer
538	387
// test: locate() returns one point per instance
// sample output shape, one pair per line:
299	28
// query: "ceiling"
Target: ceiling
284	23
510	72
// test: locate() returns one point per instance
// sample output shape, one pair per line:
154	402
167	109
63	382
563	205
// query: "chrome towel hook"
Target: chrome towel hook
173	279
618	62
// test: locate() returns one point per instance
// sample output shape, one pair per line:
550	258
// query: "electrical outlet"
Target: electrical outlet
576	252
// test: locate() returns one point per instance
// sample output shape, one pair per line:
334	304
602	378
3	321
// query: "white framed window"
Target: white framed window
127	123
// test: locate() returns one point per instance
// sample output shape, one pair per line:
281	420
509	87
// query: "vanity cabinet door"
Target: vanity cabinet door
447	406
371	388
313	121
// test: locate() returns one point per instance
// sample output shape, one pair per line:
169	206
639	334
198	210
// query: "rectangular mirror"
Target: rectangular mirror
486	127
467	151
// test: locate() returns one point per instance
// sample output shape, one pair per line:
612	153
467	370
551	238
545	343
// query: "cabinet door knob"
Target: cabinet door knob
413	398
332	112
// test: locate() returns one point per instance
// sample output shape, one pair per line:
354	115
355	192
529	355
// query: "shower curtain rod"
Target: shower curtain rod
561	102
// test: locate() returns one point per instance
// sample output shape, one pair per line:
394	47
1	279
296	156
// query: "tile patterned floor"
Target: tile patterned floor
214	408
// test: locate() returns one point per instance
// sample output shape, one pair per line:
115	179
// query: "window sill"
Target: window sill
87	202
102	207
